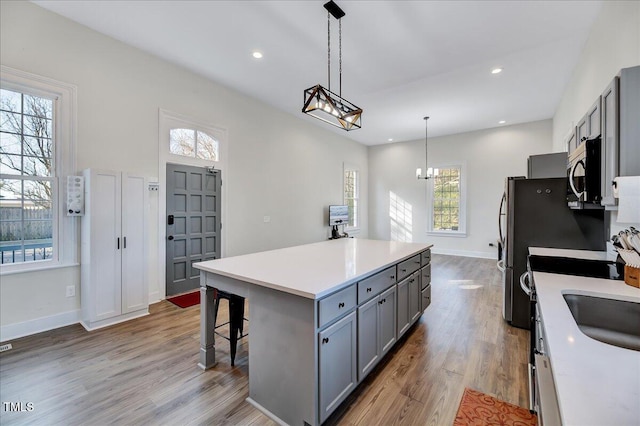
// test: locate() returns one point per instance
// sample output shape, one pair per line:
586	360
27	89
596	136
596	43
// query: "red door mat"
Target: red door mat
186	300
479	409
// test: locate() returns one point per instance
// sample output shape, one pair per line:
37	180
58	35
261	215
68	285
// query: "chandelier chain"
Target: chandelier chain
329	50
340	51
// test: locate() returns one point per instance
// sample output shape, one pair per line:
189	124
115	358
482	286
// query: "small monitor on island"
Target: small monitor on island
338	215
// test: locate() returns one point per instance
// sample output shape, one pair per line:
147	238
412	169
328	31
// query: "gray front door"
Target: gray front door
193	224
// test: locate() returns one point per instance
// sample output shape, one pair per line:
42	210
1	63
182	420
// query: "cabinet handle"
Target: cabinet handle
368	289
325	340
411	280
393	277
404	270
417	261
118	244
341	305
380	302
124	242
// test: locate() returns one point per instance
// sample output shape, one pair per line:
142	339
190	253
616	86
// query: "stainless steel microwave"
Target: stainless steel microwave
584	175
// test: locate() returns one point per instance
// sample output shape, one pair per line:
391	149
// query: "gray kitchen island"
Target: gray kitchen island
321	317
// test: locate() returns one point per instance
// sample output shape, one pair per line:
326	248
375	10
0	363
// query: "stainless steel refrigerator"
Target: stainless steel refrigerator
534	213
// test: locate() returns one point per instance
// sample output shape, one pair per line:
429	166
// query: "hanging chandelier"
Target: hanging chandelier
322	103
429	171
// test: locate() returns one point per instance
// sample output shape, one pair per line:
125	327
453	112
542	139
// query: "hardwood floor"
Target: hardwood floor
145	371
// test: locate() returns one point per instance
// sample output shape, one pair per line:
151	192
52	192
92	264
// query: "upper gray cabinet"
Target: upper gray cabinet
610	138
589	126
620	120
572	141
629	145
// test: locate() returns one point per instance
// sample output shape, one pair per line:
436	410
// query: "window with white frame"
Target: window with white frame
193	143
447	200
36	150
352	195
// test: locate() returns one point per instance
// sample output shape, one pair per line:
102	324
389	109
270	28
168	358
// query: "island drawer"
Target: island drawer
426	297
408	267
336	305
425	257
376	284
425	276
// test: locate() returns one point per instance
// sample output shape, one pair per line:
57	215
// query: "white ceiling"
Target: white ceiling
402	60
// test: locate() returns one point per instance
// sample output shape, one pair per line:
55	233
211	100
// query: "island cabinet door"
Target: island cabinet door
337	363
414	298
369	346
387	319
403	307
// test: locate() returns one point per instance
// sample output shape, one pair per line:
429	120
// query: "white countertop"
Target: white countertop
597	383
314	270
570	253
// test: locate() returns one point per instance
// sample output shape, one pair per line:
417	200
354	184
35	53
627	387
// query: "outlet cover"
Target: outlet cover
6	347
71	290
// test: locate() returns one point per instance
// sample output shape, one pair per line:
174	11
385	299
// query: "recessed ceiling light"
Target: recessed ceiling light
501	122
257	55
390	139
496	71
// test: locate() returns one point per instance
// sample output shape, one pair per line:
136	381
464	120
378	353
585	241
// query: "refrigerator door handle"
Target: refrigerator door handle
524	286
500	214
571	173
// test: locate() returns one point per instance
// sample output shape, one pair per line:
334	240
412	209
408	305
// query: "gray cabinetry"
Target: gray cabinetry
408	267
629	122
589	125
336	305
373	285
425	282
572	141
376	330
369	346
610	135
337	363
414	298
388	318
408	302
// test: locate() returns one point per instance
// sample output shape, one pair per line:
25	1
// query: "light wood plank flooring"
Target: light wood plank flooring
145	371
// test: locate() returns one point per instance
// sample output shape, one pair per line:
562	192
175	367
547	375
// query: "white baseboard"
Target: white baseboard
38	325
465	253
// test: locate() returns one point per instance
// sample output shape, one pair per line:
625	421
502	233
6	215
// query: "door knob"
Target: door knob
170	237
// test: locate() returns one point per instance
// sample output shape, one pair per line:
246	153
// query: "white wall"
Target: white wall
278	165
490	156
613	44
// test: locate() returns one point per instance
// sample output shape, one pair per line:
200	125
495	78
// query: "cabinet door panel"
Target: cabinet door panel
106	244
135	292
609	142
337	353
388	319
368	337
593	119
403	307
414	298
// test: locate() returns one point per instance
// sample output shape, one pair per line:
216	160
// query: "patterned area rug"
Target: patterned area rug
186	300
479	409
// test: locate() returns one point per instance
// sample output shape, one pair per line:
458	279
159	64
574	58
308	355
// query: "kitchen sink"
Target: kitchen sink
616	322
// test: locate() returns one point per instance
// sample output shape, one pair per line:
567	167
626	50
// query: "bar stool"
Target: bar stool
236	319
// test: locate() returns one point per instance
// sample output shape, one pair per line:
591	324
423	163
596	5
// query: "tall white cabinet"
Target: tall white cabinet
114	261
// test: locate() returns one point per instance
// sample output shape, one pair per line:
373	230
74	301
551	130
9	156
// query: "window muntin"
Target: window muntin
352	196
193	143
28	184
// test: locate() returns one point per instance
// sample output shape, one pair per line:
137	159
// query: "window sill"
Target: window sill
459	234
26	270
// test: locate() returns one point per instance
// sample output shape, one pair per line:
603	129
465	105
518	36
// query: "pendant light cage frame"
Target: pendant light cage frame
322	103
